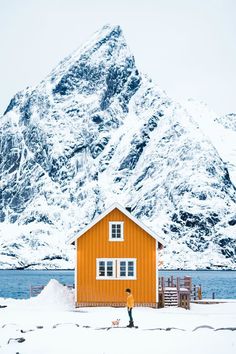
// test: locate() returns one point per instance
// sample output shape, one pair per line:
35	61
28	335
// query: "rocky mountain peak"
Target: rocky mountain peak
103	59
95	131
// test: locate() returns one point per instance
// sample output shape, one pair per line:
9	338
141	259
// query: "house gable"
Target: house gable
99	234
125	213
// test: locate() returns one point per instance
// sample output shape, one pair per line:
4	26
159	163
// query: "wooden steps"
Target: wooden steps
171	297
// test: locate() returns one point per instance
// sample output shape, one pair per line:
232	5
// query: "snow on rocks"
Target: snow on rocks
96	131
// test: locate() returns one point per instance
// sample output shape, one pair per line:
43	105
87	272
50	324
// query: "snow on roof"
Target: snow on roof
124	211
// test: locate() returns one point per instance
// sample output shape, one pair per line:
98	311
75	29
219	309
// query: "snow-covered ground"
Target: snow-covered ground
49	324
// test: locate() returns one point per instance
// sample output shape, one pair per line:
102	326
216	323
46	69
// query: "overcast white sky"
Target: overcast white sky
188	47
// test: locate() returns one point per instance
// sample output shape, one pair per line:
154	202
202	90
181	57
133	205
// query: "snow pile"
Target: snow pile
55	296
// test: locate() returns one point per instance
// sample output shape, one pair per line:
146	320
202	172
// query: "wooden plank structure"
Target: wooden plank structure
175	292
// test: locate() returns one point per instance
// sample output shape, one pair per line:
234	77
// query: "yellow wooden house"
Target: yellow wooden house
114	252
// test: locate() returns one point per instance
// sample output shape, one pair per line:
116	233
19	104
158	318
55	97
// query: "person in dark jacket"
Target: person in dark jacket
130	305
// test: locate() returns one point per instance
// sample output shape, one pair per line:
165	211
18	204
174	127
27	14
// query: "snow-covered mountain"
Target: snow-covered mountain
96	131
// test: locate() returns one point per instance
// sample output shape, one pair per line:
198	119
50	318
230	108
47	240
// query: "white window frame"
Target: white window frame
99	277
121	223
126	260
116	268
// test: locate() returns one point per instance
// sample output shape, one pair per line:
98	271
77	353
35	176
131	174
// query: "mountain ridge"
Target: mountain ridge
95	131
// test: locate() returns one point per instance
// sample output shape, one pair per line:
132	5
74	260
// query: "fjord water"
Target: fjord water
16	283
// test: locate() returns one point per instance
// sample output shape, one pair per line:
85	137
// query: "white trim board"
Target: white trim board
125	212
75	275
157	276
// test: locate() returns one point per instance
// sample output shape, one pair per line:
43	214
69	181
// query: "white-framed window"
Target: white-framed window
106	268
126	268
116	231
116	268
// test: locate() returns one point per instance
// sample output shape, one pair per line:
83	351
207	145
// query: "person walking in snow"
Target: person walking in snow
130	305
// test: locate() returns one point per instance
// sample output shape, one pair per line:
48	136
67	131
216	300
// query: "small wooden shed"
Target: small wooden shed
114	252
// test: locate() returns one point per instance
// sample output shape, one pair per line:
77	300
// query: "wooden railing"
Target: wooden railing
178	283
35	290
196	293
183	285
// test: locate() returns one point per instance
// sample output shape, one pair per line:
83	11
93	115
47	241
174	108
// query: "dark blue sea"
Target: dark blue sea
16	283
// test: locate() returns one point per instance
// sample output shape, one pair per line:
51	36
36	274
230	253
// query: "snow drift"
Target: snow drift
55	295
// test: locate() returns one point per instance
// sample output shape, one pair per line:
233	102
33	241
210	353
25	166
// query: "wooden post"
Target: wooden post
178	291
168	281
188	283
194	293
162	283
188	301
199	292
172	281
178	284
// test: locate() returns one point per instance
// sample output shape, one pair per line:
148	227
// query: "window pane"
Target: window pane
130	269
101	269
122	268
116	231
113	231
109	268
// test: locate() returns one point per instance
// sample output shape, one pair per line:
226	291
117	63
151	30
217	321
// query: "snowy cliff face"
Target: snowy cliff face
96	131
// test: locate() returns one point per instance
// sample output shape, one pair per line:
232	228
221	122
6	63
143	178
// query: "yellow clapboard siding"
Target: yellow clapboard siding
95	244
